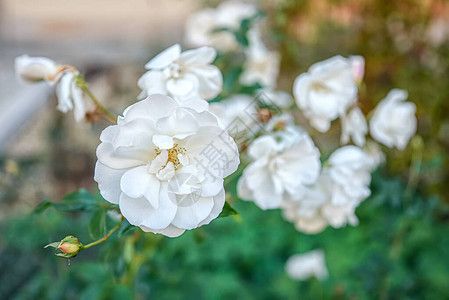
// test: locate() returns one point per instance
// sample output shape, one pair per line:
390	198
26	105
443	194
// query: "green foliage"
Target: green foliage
228	210
80	200
396	252
97	225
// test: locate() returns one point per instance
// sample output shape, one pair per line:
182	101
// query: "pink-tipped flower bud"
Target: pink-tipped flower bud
358	67
70	245
34	69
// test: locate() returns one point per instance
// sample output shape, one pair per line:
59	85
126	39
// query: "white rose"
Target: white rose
279	169
326	91
394	121
164	165
354	126
185	75
306	265
33	69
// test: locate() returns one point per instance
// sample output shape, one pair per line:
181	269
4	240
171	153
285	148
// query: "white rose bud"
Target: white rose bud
33	69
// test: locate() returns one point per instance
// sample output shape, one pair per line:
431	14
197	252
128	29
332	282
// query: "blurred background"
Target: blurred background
399	250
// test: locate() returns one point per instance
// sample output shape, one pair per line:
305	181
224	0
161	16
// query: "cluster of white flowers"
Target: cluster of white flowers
70	96
342	185
290	176
165	160
216	27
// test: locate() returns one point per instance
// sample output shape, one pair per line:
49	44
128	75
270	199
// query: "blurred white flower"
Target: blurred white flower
279	169
394	121
305	212
182	76
33	69
342	185
261	65
358	67
211	27
349	168
374	151
70	96
437	31
282	124
354	126
315	211
236	113
307	265
326	91
278	99
164	165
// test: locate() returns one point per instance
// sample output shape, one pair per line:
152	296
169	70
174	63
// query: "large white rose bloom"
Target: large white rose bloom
342	185
164	165
354	126
306	265
394	121
70	96
280	168
326	91
185	75
205	28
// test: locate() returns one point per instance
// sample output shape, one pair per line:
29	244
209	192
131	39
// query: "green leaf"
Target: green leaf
42	206
53	245
80	196
80	200
241	38
97	226
228	210
125	227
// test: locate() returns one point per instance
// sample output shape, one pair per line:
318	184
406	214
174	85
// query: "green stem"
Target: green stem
103	239
415	166
106	114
